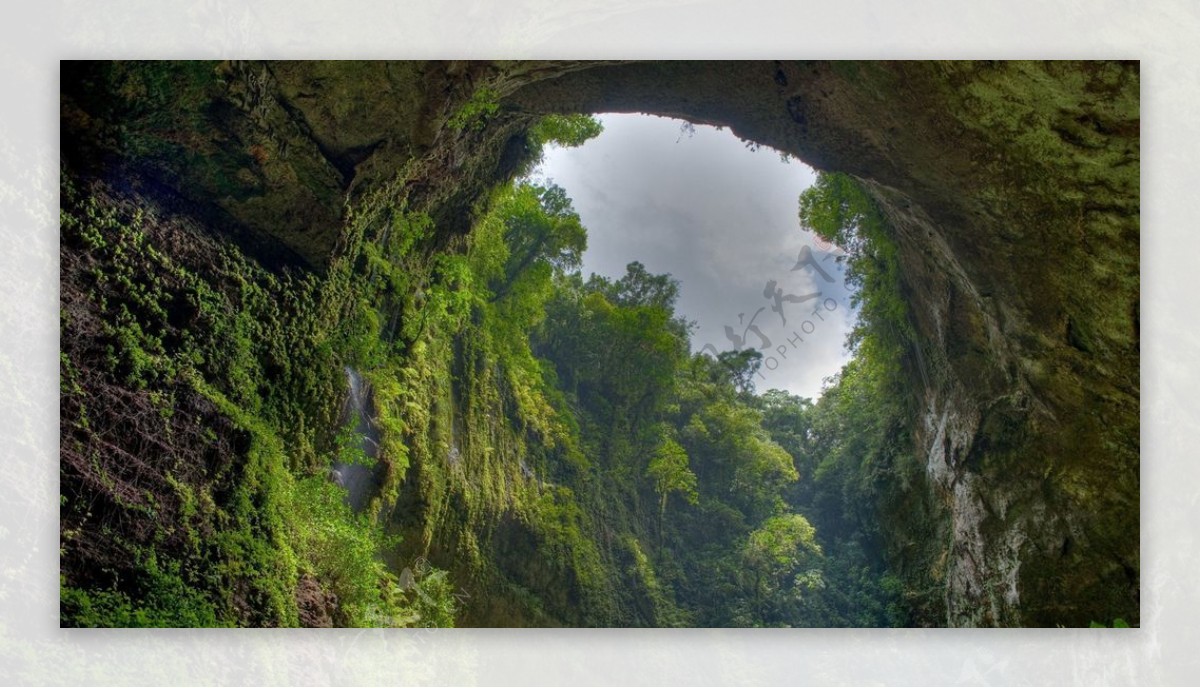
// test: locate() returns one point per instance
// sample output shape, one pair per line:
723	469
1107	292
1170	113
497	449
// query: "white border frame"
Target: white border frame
1163	35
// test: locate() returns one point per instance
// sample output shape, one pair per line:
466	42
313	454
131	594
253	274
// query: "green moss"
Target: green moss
475	113
163	600
238	534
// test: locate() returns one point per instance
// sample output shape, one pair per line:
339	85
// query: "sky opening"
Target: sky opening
721	218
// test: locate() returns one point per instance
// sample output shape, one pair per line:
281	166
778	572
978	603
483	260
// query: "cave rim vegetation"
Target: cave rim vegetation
945	392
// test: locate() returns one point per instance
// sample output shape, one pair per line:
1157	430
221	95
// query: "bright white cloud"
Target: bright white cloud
721	219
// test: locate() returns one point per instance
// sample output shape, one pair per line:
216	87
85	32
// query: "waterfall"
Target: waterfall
358	479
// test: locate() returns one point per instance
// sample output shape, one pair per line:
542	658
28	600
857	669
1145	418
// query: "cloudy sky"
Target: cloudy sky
721	219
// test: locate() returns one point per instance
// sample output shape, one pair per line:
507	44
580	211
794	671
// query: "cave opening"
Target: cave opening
989	414
719	214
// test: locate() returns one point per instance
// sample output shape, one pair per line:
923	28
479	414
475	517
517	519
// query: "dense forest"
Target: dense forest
443	422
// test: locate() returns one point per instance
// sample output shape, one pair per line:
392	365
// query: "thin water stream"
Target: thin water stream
358	478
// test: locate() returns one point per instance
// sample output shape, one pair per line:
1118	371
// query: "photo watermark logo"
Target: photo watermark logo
412	582
774	353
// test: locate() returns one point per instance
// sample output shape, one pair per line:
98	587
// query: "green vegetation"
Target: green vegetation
195	390
475	113
243	241
670	473
565	130
548	442
1117	623
838	209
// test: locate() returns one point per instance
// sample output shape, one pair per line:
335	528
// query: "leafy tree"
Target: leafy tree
780	543
742	365
561	130
781	558
670	472
789	419
620	339
733	453
565	130
639	287
838	209
542	233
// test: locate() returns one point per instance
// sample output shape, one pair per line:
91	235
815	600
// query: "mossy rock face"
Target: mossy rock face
274	150
1011	189
219	135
